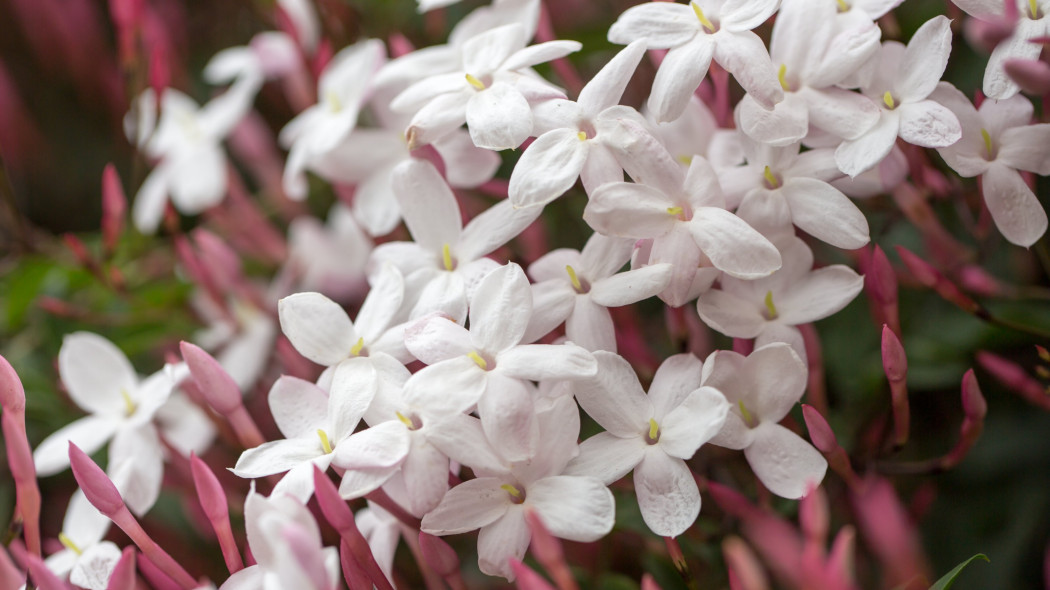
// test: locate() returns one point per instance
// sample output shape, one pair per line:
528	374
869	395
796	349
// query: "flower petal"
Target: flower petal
614	397
500	309
468	506
576	508
818	295
427	204
680	73
88	433
95	372
607	457
692	423
823	212
508	418
928	124
317	327
660	25
298	406
784	462
547	168
924	60
590	326
499	117
667	493
733	246
1014	208
631	286
537	362
606	87
500	541
383	445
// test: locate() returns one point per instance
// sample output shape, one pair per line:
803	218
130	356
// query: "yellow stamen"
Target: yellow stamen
654	429
446	257
843	6
582	136
513	491
69	544
676	211
477	84
129	405
888	99
356	350
748	418
687	160
770	178
772	309
780	76
334	104
703	19
408	423
987	141
572	277
325	444
474	356
1034	7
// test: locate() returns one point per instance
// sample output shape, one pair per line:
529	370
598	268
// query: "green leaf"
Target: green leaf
949	578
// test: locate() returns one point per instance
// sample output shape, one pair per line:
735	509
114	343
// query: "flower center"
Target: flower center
69	544
771	310
988	144
413	423
446	258
887	99
580	285
129	404
771	180
782	77
682	213
486	363
843	5
475	82
1033	9
325	443
749	419
653	436
705	22
517	496
331	99
359	348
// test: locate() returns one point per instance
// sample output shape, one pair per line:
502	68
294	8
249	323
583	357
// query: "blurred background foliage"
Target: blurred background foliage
60	124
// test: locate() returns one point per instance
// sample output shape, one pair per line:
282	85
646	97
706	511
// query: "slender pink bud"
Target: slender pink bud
123	576
19	454
548	552
114	208
813	515
79	250
974	410
12	394
42	577
439	555
895	364
356	578
338	513
1015	378
306	553
213	500
823	438
889	532
743	566
648	583
526	578
10	575
159	70
840	560
97	486
974	405
155	577
977	280
1043	353
399	45
221	262
882	277
214	382
1032	75
930	277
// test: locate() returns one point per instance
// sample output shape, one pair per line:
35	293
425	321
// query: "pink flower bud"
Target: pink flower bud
114	207
820	431
354	575
10	575
930	277
214	382
813	514
98	488
1015	378
439	555
218	259
337	512
42	577
648	583
123	576
12	394
399	45
307	554
744	569
209	490
974	405
894	361
1032	75
882	278
526	578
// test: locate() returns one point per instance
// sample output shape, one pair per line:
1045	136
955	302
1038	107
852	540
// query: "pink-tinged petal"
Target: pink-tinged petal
499	117
607	457
382	303
820	294
493	228
590	326
277	456
446	388
436	338
744	55
508	418
466	165
733	246
730	315
94	566
614	397
661	25
537	362
857	155
630	210
425	473
784	462
573	507
1024	148
354	384
631	286
299	481
606	87
675	379
846	53
680	73
928	124
744	16
540	53
383	445
776	379
840	112
468	506
997	116
360	482
500	541
787	123
317	327
439	117
924	60
88	433
679	249
298	406
692	423
443	294
1014	208
462	438
136	465
968	155
552	302
559	420
484	53
500	309
427	204
667	493
823	212
601	167
779	333
602	256
547	168
148	208
95	372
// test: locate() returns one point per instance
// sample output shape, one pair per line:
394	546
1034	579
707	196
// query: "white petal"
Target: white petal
733	246
427	204
573	507
840	112
463	440
744	55
606	87
88	433
744	16
486	52
630	210
820	294
298	406
787	123
83	523
198	179
95	566
822	211
425	472
500	541
360	482
447	388
660	25
95	372
508	418
382	303
675	379
928	124
924	60
1024	148
537	362
729	314
277	456
775	380
148	208
590	326
607	456
383	445
694	422
136	466
466	165
552	302
317	327
785	463
667	493
857	155
470	505
540	53
299	481
499	117
547	168
614	397
354	384
436	338
439	117
493	228
1014	208
500	309
631	286
680	73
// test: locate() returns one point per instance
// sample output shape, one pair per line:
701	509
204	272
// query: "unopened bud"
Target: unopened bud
882	278
820	431
974	405
97	486
12	394
114	208
123	576
526	578
439	555
894	360
209	490
217	386
1032	75
743	565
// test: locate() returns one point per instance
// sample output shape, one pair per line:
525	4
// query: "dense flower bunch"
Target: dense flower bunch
452	395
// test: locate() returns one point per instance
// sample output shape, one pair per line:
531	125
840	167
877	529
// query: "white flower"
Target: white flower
652	434
997	141
696	34
761	389
1033	21
87	559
